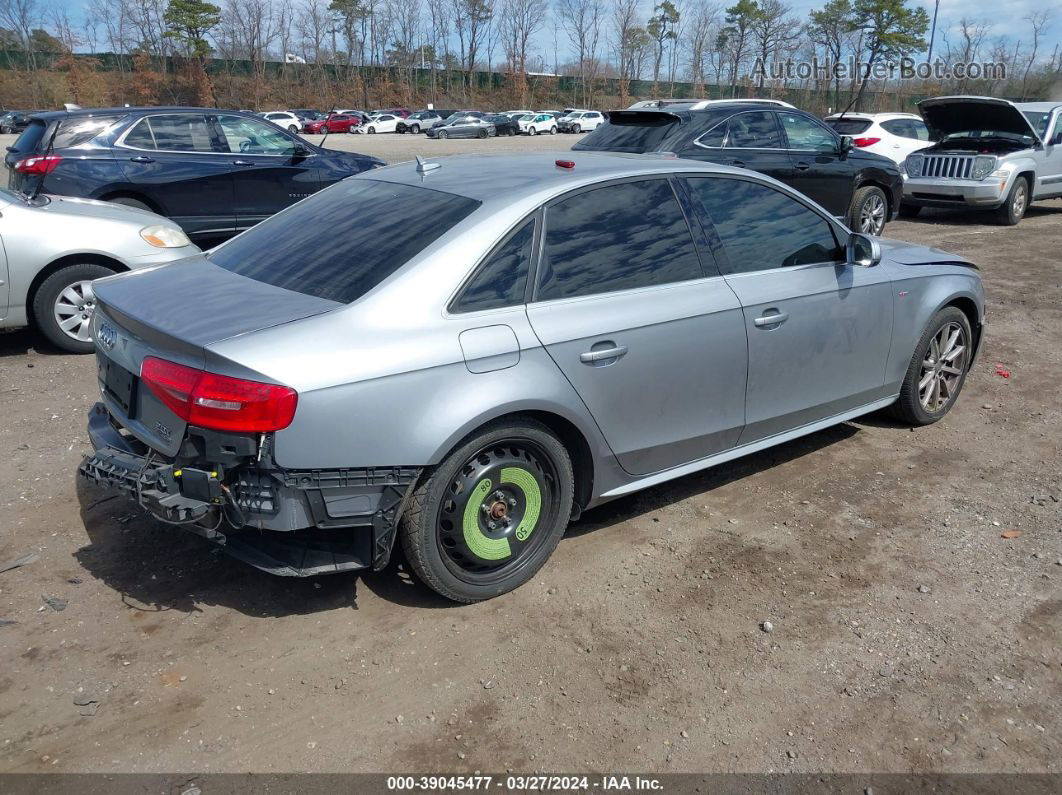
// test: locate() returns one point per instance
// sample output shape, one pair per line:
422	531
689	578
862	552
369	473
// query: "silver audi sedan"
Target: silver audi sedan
480	349
53	247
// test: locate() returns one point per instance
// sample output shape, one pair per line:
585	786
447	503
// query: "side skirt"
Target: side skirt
745	449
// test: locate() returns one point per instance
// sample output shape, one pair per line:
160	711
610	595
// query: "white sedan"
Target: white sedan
379	123
893	135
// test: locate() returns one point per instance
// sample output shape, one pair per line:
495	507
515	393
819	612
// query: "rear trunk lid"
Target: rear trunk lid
950	115
175	312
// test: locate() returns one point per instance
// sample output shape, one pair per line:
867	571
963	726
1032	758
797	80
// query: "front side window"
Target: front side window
358	233
176	132
254	138
756	130
762	228
502	279
806	134
617	237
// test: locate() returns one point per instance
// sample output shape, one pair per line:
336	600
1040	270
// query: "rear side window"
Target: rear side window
343	241
907	128
763	228
849	126
631	131
616	237
81	130
177	132
502	279
755	130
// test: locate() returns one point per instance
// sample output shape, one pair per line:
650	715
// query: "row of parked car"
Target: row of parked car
213	173
437	123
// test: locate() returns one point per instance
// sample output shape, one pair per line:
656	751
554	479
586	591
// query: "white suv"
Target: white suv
579	121
284	119
892	135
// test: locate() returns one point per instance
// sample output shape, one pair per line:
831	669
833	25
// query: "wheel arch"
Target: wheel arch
873	181
564	428
968	307
62	262
110	194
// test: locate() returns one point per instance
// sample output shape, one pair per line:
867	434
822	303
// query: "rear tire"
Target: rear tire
869	211
1013	209
934	356
129	201
513	474
909	210
65	297
482	134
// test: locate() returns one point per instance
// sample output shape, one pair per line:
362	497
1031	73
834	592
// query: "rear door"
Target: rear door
176	161
817	168
652	340
269	173
819	328
750	139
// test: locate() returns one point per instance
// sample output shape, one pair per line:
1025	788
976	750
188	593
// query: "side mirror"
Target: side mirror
300	150
862	250
845	145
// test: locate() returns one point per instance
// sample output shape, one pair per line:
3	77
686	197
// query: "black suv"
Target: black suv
15	121
212	171
794	147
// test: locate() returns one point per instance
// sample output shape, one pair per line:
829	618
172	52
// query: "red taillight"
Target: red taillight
865	141
38	164
219	402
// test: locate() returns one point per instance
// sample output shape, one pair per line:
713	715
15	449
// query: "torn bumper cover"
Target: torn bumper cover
293	523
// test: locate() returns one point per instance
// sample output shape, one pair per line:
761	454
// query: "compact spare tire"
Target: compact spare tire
484	520
63	305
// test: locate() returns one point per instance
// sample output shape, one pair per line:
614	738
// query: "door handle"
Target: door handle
802	166
242	163
771	318
142	159
592	357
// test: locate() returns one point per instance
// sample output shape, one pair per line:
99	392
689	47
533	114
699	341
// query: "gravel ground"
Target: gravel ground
907	634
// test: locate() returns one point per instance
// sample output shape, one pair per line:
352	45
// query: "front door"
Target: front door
176	161
652	341
819	329
269	173
817	167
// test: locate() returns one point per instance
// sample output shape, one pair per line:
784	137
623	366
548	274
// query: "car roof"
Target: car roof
535	174
1038	106
873	116
67	114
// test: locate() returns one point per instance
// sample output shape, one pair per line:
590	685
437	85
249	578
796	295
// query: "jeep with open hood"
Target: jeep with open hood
989	154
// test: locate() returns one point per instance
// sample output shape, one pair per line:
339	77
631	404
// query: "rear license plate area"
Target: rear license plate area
118	383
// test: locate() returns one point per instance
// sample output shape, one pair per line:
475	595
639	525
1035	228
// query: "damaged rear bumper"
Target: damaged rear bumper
295	523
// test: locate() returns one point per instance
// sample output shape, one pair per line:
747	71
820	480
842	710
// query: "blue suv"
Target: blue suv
214	172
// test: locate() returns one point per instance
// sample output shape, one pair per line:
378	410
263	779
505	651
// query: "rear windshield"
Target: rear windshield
340	243
848	126
630	132
30	138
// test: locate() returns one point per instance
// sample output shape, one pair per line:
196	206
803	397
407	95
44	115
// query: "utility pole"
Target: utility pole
933	32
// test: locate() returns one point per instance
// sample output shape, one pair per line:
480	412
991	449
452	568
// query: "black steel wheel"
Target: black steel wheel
487	518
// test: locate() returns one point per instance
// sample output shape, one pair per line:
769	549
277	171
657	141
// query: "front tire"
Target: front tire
488	517
532	131
293	129
64	303
415	128
576	129
868	211
444	134
1013	209
553	130
372	131
937	370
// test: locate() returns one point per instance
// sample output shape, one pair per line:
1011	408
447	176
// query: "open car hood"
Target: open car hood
947	115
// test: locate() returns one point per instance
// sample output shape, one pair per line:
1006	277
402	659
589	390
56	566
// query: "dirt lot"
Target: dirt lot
908	634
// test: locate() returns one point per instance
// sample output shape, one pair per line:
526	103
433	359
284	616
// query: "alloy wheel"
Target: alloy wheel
872	215
943	367
496	510
1020	196
73	311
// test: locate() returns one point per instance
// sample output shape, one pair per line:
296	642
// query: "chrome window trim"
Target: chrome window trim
726	137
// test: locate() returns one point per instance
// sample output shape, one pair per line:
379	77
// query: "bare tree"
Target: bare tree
1040	22
774	31
702	30
582	21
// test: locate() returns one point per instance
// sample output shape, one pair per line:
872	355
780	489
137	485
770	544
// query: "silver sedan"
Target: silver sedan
53	247
480	349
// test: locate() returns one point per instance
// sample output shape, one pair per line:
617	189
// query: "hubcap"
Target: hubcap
1019	201
495	510
73	311
872	217
942	368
